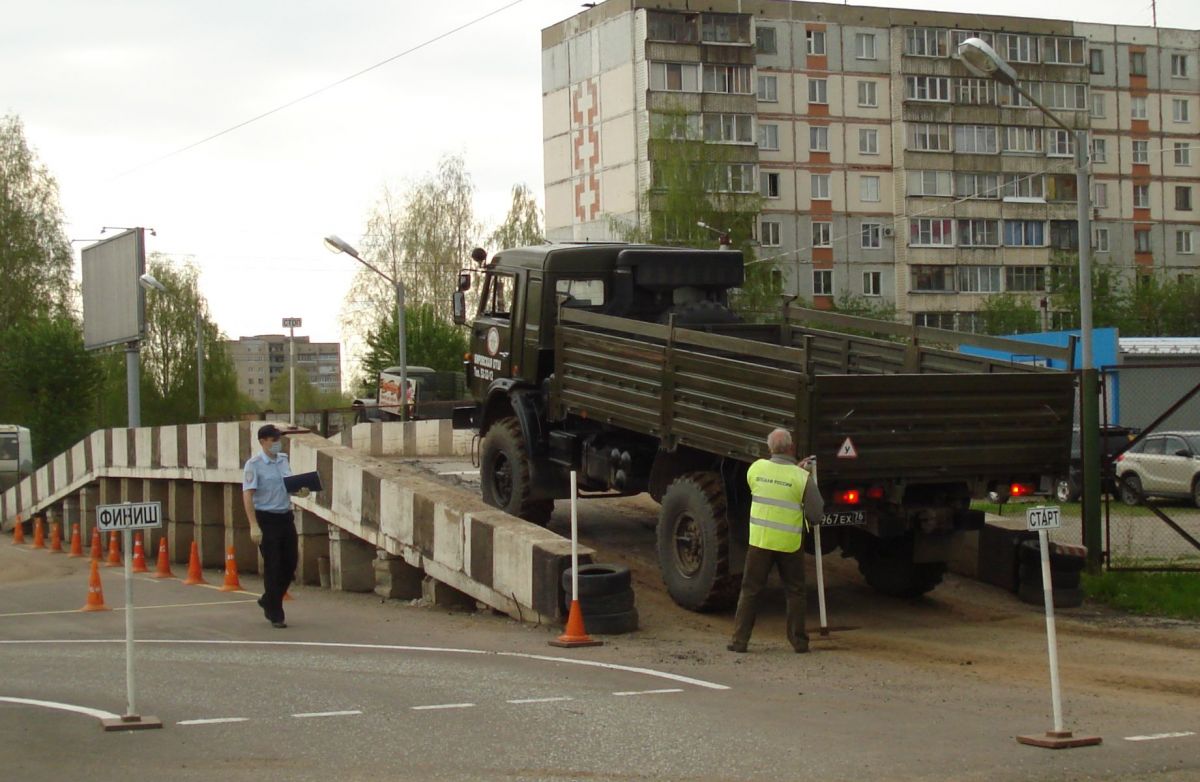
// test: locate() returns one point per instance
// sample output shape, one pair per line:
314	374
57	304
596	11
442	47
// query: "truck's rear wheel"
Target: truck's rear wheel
504	473
888	567
693	543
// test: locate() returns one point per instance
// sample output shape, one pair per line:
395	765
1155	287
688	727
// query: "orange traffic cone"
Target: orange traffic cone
19	532
574	633
164	561
114	551
97	546
195	574
231	575
139	555
76	543
56	538
39	534
95	598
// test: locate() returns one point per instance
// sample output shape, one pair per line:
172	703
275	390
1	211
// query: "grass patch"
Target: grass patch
1174	595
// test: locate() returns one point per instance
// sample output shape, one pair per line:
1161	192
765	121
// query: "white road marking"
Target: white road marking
443	706
462	473
135	608
213	721
647	692
346	713
540	700
99	714
1157	736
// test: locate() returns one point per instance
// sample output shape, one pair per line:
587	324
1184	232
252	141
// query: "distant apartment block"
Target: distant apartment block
886	170
261	359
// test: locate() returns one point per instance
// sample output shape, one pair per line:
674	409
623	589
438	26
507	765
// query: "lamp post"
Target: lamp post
982	60
336	244
291	324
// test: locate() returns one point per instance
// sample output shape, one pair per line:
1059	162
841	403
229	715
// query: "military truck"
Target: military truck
626	364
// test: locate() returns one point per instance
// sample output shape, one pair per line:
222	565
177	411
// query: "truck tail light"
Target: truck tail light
1020	490
846	497
875	493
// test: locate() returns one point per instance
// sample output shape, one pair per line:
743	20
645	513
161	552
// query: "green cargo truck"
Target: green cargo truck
625	364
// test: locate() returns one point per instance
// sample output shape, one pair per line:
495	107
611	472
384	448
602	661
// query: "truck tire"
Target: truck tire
1063	598
611	624
888	568
598	580
504	473
616	603
1066	489
693	543
1031	576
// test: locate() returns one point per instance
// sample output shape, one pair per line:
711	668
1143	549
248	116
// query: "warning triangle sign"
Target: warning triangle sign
847	450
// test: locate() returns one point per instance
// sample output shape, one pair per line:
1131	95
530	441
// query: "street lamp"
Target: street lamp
336	244
724	241
982	60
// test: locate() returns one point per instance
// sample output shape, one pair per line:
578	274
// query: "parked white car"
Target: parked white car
1164	464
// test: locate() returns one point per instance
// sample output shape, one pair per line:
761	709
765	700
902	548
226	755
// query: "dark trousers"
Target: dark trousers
280	553
759	562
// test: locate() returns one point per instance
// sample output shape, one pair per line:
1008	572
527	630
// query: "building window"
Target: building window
1025	278
1141	196
1095	61
732	178
868	188
674	77
864	46
727	79
979	279
818	138
1100	195
1072	97
868	141
1009	96
1098	107
1141	240
729	128
822	234
1099	150
1060	143
872	283
818	91
976	139
770	184
976	185
675	127
1137	107
677	28
823	282
820	187
764	40
1023	141
934	320
932	278
815	40
978	233
1018	48
927	88
928	183
1183	242
928	137
1100	240
1062	51
768	136
1137	63
1179	65
1141	151
931	232
1024	233
925	42
768	89
1183	154
1064	235
1183	198
1179	110
870	236
768	233
725	28
867	94
1062	187
975	92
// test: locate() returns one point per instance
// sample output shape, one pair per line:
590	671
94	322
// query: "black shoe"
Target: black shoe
733	647
263	605
280	624
801	648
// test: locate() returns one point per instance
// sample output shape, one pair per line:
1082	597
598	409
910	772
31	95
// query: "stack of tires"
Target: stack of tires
605	597
1066	565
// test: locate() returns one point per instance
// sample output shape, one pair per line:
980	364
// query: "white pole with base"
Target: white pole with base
574	634
820	580
131	720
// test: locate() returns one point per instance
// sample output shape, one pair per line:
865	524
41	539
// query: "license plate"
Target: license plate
843	518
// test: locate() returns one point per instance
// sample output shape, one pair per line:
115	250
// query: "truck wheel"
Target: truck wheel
504	473
1131	490
693	543
888	568
1066	490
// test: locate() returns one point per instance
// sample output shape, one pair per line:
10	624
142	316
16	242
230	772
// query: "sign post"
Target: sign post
291	324
125	518
1041	519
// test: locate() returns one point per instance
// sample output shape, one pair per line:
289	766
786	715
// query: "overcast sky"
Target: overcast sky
106	87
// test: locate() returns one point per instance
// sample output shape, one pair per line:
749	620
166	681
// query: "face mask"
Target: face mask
276	447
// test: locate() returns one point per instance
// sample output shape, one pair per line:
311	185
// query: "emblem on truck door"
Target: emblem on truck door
493	341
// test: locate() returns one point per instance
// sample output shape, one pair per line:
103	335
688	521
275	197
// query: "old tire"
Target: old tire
598	580
1131	489
693	543
888	568
504	473
1066	490
1063	598
1030	554
1031	576
616	603
611	624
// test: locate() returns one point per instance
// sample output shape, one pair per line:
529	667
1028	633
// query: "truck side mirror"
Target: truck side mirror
464	281
459	305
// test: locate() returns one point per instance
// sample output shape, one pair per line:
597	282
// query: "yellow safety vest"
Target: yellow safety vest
777	504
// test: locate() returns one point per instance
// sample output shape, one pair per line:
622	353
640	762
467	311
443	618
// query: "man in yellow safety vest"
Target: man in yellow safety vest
784	497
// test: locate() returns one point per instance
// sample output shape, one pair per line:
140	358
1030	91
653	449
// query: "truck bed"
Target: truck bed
910	412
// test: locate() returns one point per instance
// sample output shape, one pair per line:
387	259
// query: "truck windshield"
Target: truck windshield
9	450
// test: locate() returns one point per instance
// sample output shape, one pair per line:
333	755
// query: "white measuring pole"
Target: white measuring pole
130	689
1051	635
574	543
820	580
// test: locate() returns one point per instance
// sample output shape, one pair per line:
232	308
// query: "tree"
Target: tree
522	225
1150	307
430	342
35	253
863	307
1008	313
309	395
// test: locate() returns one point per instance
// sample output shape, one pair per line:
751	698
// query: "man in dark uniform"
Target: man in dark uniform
272	524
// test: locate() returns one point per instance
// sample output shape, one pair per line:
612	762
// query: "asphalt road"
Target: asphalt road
359	689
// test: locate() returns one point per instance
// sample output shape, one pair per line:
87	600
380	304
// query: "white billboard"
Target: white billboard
113	302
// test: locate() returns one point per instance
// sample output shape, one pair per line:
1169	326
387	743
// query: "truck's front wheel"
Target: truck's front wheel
693	543
888	567
504	473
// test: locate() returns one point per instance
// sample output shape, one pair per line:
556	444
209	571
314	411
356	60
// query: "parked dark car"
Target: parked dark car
1112	439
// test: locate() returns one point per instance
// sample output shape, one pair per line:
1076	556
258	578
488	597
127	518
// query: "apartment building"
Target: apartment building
260	359
886	170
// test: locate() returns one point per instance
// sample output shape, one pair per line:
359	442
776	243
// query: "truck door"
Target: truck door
492	333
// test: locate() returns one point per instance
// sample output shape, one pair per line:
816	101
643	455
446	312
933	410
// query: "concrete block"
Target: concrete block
313	548
109	491
179	513
88	498
396	579
351	562
208	528
71	517
237	529
155	491
445	596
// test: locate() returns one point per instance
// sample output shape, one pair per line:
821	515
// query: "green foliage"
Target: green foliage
1174	595
1150	307
1009	313
308	395
429	342
522	225
863	307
